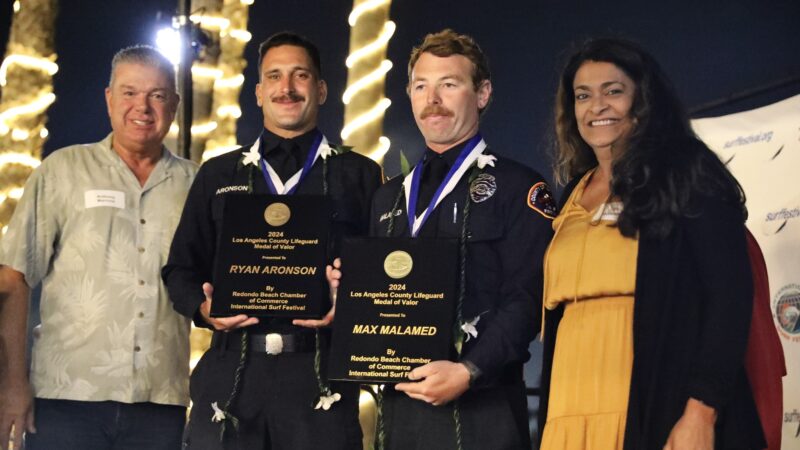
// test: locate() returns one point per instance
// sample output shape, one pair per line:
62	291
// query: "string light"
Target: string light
26	79
197	130
376	76
367	69
18	134
201	71
213	23
241	35
229	111
363	8
383	146
14	194
33	107
230	82
216	151
370	116
27	61
23	159
376	45
204	128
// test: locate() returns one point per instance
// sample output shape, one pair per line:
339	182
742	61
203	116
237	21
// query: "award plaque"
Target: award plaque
271	257
395	308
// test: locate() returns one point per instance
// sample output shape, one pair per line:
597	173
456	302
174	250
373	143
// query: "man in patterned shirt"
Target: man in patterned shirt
110	366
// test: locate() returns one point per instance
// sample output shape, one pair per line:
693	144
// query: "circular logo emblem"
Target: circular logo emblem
277	214
787	309
398	264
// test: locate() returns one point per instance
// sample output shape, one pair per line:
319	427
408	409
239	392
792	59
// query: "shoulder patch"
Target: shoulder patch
541	200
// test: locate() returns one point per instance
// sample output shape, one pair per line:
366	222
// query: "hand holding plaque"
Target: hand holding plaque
271	256
330	272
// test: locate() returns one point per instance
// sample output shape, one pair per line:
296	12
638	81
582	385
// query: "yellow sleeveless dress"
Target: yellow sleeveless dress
591	268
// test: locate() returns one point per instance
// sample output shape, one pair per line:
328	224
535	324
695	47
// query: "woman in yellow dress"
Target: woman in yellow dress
648	289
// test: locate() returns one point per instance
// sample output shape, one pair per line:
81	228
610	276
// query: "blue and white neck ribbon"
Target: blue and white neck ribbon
274	183
411	183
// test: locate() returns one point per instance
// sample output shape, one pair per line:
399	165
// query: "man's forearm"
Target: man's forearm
14	296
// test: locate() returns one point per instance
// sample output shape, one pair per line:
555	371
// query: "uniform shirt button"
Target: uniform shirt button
137	348
141	282
141	314
141	249
142	221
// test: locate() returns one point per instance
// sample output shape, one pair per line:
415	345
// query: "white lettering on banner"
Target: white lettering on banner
752	139
762	148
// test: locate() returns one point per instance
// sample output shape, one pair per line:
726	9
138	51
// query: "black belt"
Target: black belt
269	343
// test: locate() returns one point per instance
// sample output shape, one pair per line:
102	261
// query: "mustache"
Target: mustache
435	110
289	97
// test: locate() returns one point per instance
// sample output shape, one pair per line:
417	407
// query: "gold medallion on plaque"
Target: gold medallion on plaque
398	264
277	214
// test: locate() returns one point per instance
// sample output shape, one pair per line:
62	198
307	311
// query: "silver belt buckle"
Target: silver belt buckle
274	344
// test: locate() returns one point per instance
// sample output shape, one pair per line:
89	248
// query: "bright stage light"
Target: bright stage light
168	42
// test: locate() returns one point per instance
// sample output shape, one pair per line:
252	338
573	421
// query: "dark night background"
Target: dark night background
709	49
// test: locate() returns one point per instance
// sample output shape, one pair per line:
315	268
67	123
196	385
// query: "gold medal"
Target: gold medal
277	214
398	264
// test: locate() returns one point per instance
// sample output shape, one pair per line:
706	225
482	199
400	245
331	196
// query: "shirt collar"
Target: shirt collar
107	143
449	156
270	140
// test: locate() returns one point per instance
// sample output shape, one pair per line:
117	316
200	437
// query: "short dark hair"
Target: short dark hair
145	55
291	38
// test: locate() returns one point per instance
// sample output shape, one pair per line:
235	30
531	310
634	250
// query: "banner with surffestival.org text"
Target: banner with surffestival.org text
761	148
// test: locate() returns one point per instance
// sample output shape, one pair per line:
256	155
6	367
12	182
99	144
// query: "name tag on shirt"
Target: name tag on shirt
608	212
98	198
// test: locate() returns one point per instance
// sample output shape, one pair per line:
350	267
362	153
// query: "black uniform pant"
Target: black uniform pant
491	419
275	404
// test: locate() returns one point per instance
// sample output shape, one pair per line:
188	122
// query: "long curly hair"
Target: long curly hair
664	164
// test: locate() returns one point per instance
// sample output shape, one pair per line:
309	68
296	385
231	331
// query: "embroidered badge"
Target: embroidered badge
226	189
482	187
541	200
387	215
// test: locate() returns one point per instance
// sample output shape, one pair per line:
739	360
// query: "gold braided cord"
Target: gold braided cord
26	91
